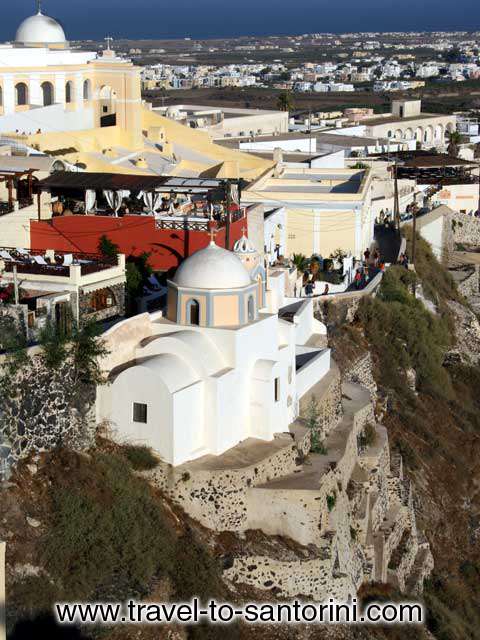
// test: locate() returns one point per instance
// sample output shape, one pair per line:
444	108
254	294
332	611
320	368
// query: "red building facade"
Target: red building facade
167	243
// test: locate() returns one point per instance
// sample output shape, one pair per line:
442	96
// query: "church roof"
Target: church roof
40	29
212	268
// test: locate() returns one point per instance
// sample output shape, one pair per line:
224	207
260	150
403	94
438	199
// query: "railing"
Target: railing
195	224
57	270
86	269
5	208
179	225
25	202
38	269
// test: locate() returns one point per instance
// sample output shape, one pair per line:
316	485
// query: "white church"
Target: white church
219	367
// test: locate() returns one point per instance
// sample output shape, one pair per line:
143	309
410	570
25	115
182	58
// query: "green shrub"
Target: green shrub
404	334
141	458
331	501
196	573
312	422
108	534
107	248
369	435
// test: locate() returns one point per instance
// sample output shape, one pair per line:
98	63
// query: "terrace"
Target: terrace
175	203
16	190
56	267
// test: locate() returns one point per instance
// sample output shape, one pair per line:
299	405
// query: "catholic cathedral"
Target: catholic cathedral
46	86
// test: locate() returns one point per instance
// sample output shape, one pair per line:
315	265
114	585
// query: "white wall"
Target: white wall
335	160
313	371
302	143
208	389
52	118
432	232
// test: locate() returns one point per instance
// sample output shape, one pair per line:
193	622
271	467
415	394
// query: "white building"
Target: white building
218	369
47	86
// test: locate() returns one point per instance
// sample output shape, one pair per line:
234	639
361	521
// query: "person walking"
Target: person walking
358	279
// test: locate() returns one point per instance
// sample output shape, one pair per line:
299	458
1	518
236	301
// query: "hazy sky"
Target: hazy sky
210	18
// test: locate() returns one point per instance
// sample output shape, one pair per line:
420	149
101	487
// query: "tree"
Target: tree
285	101
300	261
86	349
314	267
13	340
134	279
107	248
54	345
453	145
452	55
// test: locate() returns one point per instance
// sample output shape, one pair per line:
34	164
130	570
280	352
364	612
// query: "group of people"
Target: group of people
403	260
373	259
385	218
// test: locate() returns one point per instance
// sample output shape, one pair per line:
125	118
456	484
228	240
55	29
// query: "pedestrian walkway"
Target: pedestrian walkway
388	241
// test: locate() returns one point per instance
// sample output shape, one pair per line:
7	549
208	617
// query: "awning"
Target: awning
83	181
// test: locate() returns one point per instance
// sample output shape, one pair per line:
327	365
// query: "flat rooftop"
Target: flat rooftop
322	137
392	118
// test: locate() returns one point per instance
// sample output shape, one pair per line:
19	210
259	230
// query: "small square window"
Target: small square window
139	412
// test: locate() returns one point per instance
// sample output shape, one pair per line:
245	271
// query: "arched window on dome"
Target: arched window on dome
21	94
251	309
87	90
1	97
69	92
47	92
193	312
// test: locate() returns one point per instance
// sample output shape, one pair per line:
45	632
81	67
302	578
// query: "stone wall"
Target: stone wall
467	335
469	286
118	309
462	229
217	497
345	512
46	409
328	395
361	372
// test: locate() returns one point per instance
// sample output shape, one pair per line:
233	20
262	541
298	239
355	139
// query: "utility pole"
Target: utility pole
3	599
479	189
15	283
414	232
228	200
414	247
396	204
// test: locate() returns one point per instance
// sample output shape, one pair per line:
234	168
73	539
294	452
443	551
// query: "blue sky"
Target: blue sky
211	18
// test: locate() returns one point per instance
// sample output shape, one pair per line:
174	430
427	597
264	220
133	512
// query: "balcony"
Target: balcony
9	207
70	268
195	223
